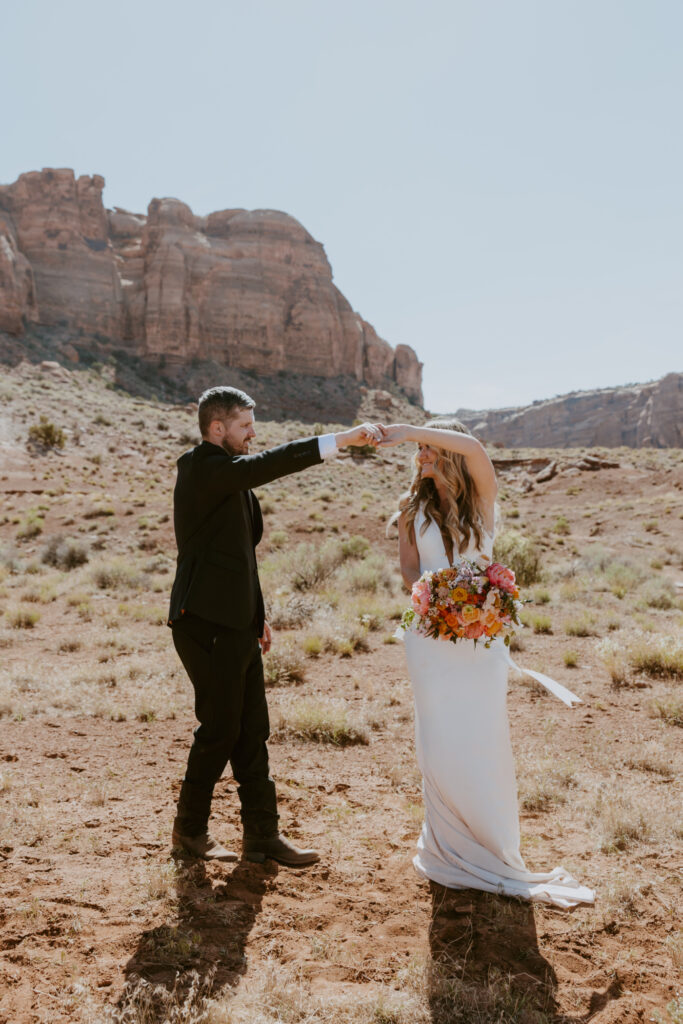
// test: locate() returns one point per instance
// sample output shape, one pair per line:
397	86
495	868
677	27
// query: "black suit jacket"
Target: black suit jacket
218	524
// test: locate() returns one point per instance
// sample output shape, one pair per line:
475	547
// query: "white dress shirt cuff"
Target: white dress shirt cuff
328	445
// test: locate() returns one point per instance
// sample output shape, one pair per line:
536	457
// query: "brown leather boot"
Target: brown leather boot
257	849
204	845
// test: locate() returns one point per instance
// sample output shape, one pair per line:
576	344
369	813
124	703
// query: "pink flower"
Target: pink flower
474	631
501	576
420	597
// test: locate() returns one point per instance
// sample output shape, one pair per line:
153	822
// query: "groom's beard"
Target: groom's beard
231	450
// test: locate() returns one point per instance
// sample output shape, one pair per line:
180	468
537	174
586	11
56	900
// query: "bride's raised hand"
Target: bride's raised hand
395	433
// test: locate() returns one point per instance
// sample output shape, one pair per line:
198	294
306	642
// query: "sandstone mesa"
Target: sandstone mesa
245	289
635	416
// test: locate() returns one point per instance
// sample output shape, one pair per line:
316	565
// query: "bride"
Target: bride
470	837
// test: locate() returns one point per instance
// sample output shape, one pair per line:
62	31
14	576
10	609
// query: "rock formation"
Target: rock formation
245	289
637	415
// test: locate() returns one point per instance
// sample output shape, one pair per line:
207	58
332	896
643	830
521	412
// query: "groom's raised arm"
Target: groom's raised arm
226	474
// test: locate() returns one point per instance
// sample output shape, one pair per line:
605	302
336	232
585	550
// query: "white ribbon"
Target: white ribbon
565	695
560	691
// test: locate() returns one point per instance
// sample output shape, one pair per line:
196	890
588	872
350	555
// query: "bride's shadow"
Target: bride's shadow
205	945
485	956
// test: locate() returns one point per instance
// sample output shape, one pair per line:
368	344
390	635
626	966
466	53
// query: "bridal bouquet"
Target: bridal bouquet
465	602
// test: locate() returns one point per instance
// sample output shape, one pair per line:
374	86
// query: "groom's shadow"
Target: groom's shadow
485	955
205	945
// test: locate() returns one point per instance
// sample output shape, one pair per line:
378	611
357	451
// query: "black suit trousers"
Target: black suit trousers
226	671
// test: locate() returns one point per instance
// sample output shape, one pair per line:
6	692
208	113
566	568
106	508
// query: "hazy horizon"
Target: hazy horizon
497	186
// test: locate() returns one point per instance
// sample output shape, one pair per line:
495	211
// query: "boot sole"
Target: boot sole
261	858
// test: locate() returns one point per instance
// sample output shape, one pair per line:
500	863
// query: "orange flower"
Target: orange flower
459	594
469	613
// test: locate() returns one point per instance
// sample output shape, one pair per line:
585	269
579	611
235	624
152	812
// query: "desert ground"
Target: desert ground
101	922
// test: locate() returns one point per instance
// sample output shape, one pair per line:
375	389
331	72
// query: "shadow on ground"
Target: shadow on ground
485	958
204	950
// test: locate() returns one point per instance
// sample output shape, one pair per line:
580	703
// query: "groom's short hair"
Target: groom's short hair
214	403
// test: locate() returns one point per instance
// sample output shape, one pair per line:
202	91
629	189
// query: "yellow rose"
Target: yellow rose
459	594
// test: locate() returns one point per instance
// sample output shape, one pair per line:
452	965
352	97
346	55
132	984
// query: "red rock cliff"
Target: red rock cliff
248	289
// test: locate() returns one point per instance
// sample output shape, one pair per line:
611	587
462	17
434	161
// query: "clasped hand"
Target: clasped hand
376	434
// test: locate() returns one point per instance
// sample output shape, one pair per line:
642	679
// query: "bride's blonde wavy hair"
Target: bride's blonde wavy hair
462	516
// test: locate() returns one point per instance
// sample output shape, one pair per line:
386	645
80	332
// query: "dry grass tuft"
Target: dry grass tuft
669	708
545	784
620	821
323	722
641	653
283	664
651	758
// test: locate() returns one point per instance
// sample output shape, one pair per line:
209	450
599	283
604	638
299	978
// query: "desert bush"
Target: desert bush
64	553
669	708
22	618
571	659
10	560
561	526
290	611
346	639
539	623
116	575
309	565
655	656
369	575
620	822
355	547
623	577
651	758
583	626
312	645
31	526
46	435
322	722
521	554
283	664
659	594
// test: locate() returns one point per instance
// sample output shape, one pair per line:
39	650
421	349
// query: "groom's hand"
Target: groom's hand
365	433
266	640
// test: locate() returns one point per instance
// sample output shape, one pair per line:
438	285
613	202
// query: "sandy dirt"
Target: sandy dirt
96	723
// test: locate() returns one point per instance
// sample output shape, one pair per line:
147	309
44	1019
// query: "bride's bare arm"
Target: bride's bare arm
407	553
475	455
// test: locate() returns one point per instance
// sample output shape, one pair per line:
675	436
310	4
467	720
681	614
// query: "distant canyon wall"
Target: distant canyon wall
634	416
245	289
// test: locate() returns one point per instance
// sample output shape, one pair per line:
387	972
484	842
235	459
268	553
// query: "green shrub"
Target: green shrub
355	547
31	526
562	526
521	554
46	435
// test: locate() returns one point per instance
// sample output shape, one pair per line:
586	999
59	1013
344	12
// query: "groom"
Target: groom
218	620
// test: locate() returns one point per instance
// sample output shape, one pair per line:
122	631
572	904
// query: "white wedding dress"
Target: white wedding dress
470	836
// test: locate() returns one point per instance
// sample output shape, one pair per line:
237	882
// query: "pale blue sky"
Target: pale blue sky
497	184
